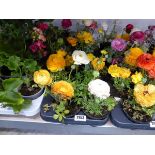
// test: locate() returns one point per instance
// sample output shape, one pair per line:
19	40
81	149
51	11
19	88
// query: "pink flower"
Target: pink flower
43	26
42	37
93	25
33	48
118	44
148	33
37	30
38	45
128	28
138	36
66	23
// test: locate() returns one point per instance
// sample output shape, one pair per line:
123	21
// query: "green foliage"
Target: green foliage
9	95
60	111
13	36
96	106
148	110
122	84
19	67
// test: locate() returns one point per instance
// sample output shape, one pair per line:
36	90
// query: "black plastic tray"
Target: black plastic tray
119	119
48	116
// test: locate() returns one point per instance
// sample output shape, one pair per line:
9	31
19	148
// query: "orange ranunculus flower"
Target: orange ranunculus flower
145	95
72	41
125	36
98	63
42	77
146	61
55	63
131	57
63	89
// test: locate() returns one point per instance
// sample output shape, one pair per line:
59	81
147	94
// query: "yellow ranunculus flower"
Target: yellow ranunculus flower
145	95
87	37
137	77
121	72
100	30
72	41
63	89
55	63
61	52
90	56
104	52
42	77
69	60
131	57
98	63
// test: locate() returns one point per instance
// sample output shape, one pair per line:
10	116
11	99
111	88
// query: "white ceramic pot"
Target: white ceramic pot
32	110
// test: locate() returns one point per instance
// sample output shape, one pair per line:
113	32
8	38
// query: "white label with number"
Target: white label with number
81	118
152	124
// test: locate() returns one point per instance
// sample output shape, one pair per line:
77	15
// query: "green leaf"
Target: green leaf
55	116
66	112
14	98
13	62
12	84
60	118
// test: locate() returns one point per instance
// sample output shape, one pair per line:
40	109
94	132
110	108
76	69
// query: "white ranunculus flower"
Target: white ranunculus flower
80	58
99	88
87	22
105	26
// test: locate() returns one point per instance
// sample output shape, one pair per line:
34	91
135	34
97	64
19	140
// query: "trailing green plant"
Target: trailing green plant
60	111
122	84
10	96
97	106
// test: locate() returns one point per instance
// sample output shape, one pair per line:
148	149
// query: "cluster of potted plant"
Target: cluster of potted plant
133	73
82	70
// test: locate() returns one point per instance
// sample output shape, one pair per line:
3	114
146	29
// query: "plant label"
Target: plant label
81	118
152	124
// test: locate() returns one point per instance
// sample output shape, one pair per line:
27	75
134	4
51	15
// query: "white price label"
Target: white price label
152	124
81	118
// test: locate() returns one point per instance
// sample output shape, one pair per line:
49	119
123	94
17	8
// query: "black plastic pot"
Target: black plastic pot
76	111
120	119
6	73
95	117
134	120
35	96
48	116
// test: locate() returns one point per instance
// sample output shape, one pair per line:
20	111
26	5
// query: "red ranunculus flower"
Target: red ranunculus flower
146	61
138	36
152	73
66	23
128	28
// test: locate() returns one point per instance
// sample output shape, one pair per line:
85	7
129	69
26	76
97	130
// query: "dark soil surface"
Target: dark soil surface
135	115
28	91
